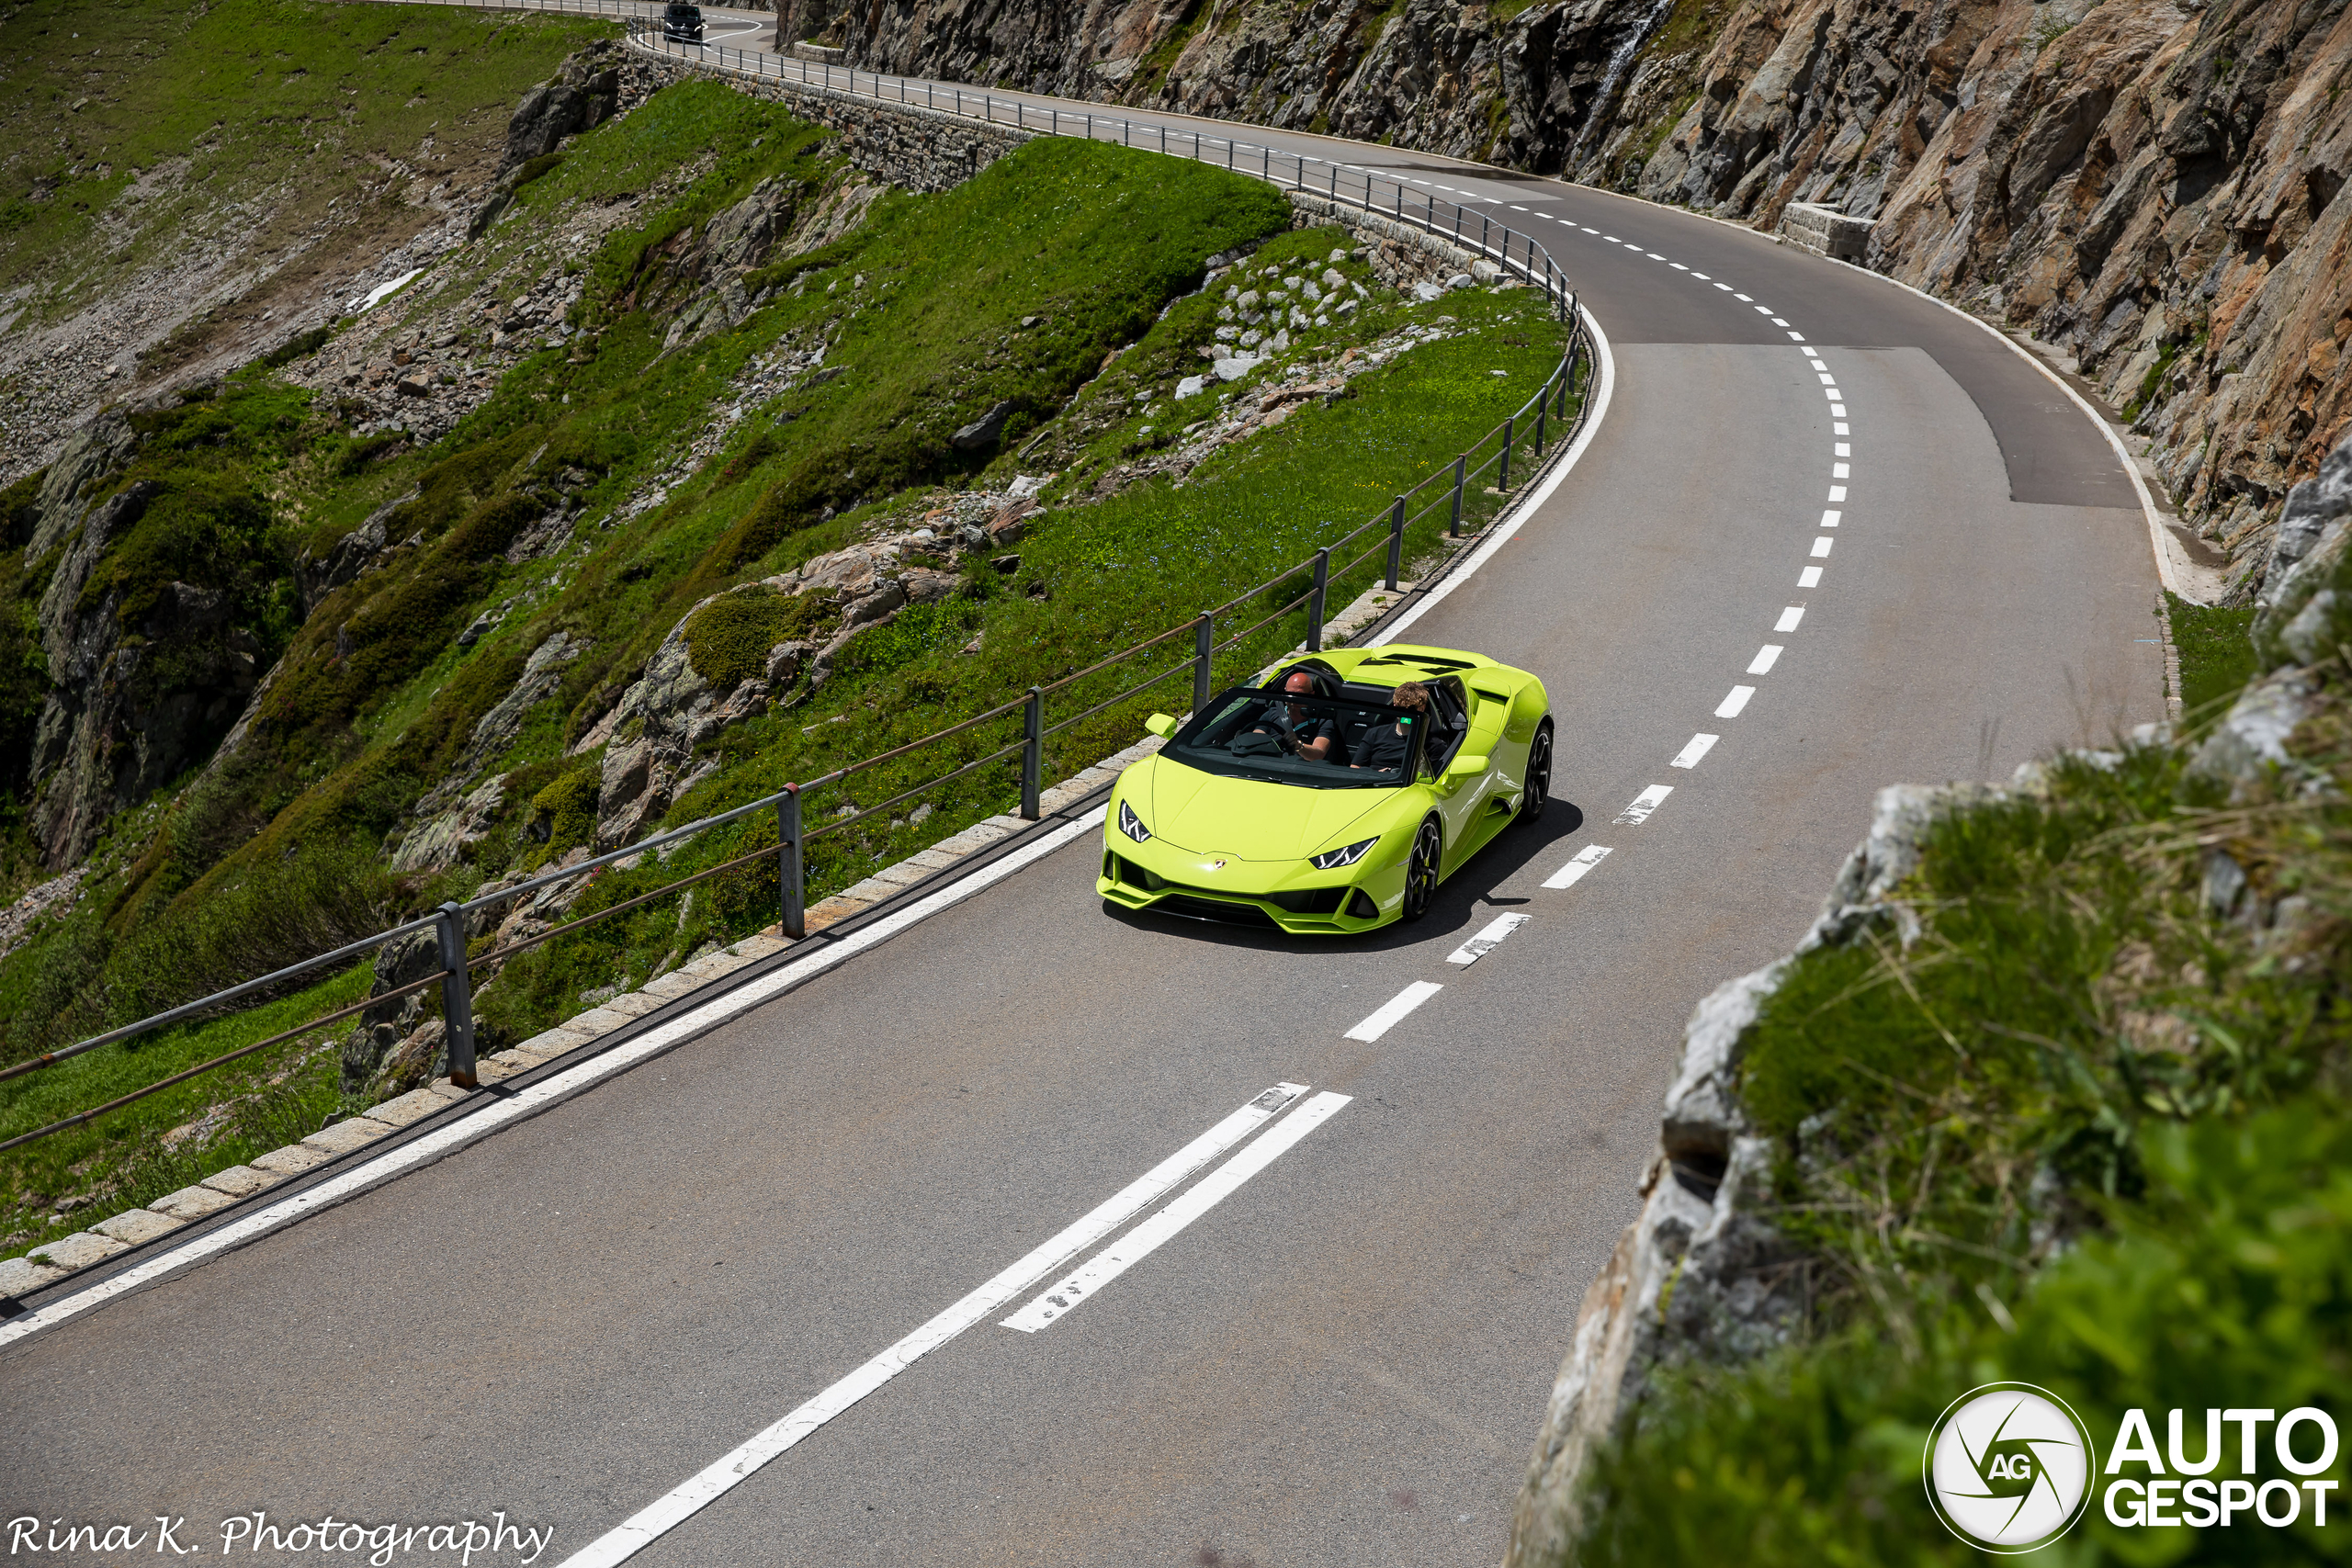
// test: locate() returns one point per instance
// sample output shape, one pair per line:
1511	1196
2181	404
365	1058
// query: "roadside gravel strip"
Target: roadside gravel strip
488	1110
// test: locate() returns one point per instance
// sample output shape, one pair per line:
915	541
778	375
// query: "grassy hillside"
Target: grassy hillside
1060	281
132	129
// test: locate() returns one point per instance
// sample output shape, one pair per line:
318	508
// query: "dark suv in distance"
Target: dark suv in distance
682	22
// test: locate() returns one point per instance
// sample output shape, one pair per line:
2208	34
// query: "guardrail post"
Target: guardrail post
1542	408
1315	603
1033	753
791	874
1453	525
1396	541
1204	653
1502	478
456	995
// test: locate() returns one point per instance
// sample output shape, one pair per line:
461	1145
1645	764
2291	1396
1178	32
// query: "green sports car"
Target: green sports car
1334	794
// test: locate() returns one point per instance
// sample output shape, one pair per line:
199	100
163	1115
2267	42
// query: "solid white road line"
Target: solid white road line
1649	800
1811	576
1731	706
1699	746
547	1092
1788	619
1569	875
1486	940
1766	657
649	1524
1145	1238
1403	1002
1605	387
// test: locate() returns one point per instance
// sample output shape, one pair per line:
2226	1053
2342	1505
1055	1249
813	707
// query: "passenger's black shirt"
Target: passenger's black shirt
1383	746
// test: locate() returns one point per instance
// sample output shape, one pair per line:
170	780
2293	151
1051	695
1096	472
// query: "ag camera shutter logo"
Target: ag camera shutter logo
2008	1467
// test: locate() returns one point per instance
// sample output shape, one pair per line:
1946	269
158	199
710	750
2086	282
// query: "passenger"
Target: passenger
1384	748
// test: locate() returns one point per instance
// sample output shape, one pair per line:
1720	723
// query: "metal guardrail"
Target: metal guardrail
448	922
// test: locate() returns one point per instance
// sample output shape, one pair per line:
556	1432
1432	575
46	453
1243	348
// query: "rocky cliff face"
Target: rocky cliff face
2149	185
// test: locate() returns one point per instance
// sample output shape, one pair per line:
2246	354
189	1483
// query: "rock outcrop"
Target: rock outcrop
1701	1273
136	693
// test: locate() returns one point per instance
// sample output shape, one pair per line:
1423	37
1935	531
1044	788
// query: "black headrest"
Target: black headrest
1327	681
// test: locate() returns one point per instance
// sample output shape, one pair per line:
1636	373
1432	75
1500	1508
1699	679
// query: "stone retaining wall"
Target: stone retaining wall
1826	232
913	147
918	147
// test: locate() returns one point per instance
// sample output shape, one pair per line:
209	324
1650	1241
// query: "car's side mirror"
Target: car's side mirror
1160	724
1463	767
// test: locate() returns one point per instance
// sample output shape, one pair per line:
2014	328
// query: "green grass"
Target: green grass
270	1098
281	102
2217	657
2085	1130
2230	1283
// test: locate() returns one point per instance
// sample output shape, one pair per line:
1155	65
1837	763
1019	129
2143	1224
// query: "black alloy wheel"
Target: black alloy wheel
1420	872
1538	792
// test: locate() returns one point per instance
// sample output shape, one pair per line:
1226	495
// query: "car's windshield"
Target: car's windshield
1294	738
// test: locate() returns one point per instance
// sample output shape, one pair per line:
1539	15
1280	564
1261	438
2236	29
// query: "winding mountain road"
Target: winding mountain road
1848	533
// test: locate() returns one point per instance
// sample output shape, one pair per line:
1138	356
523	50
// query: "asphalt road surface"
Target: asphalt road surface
1343	1361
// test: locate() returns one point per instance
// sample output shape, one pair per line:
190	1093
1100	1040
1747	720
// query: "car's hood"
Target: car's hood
1249	819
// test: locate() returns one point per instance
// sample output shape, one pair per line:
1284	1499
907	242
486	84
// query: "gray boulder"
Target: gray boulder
348	557
2304	606
584	92
985	431
742	236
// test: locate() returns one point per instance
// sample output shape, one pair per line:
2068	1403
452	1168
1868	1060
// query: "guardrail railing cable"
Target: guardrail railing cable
450	920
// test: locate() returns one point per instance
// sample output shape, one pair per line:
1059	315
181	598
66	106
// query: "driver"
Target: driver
1384	748
1296	728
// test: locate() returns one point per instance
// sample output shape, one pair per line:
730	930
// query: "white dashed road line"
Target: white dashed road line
1766	657
1733	705
1811	576
1699	746
1388	1017
1790	618
1649	800
1486	940
1569	875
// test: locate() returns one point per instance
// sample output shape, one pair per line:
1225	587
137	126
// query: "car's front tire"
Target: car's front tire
1537	792
1421	871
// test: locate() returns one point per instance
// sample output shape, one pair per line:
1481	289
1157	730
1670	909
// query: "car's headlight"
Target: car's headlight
1332	860
1132	825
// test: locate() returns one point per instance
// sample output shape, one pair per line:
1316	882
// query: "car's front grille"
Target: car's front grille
1215	909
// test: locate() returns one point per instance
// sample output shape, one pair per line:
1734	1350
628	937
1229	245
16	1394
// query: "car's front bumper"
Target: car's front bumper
1290	894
